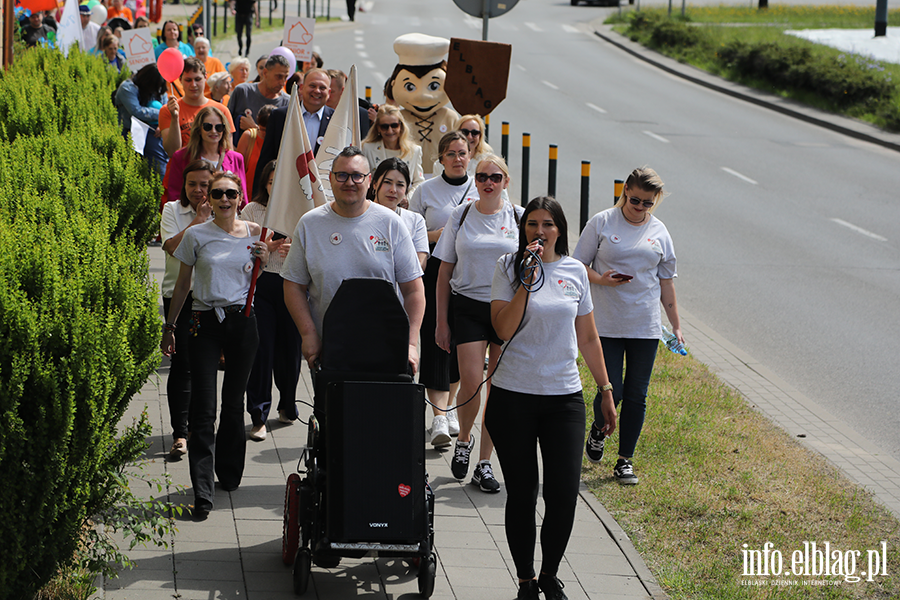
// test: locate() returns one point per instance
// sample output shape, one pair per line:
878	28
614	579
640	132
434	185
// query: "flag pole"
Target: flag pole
256	264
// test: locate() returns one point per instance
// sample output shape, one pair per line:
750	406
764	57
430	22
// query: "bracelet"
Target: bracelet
169	327
605	388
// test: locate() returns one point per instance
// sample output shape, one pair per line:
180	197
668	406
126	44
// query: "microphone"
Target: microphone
530	257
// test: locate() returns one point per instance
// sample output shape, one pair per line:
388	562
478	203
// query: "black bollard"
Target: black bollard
585	192
526	159
551	172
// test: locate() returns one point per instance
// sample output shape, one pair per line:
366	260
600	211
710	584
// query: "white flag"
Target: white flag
297	187
69	30
343	131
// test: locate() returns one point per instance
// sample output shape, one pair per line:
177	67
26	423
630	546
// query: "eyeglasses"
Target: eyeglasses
220	127
494	177
217	193
636	201
468	132
455	155
342	177
386	126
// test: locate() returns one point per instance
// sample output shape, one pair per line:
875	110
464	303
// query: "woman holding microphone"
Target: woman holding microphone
544	312
631	267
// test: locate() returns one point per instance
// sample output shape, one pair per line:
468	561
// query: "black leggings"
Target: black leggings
518	422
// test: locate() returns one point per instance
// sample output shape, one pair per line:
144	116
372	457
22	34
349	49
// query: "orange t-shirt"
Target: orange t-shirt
186	114
213	65
125	13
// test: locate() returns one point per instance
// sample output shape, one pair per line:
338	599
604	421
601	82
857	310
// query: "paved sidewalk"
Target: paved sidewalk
236	553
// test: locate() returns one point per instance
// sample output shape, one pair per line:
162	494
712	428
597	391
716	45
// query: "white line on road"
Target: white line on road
874	236
364	55
368	64
658	138
550	85
739	176
358	31
358	38
533	27
378	76
570	29
595	107
360	46
520	67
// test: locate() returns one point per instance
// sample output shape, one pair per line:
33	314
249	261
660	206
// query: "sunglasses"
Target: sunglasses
636	201
342	176
220	127
494	177
468	132
386	126
217	193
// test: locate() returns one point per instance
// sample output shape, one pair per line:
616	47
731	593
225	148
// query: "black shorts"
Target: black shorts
472	321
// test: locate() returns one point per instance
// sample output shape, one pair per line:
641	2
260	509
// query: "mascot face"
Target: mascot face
421	96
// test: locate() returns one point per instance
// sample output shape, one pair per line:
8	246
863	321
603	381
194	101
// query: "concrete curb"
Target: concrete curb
851	127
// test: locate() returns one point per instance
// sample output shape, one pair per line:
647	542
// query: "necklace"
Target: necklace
644	218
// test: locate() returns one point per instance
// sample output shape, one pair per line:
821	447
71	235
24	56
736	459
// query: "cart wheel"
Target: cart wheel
290	539
302	566
427	573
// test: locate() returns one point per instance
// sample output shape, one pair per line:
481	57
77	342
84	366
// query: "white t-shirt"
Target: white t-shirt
476	247
328	248
415	224
255	212
541	358
175	219
630	310
436	198
223	265
375	152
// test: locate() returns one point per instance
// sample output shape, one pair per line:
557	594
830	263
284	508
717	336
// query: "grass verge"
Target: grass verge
716	474
750	47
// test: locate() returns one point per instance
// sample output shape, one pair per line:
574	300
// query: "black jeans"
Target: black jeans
178	384
278	353
241	21
219	451
518	423
437	369
351	9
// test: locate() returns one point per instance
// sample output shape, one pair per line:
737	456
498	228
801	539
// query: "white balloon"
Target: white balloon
98	14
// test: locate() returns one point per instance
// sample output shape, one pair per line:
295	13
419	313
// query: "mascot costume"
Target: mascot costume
417	86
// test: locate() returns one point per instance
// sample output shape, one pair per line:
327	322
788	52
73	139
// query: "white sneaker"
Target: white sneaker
439	435
453	423
258	433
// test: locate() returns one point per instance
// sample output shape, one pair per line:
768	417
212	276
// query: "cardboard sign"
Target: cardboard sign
138	48
298	37
477	75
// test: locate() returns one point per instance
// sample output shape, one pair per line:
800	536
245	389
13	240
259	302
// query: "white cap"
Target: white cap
418	49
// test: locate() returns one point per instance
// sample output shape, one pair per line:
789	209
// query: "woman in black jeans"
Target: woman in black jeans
220	256
546	315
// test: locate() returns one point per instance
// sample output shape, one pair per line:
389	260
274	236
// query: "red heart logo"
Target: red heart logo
404	490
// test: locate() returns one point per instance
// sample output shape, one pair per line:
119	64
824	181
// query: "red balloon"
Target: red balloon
170	64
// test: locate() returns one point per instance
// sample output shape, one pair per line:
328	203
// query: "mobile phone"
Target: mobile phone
622	276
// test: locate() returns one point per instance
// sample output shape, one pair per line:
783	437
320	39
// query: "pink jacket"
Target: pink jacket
232	161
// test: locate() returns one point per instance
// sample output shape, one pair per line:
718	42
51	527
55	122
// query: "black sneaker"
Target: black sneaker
484	478
552	587
459	466
528	590
593	447
624	472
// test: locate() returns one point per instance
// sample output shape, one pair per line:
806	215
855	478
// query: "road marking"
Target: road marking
368	64
550	85
358	38
358	31
570	29
378	76
360	46
874	236
658	138
520	67
595	107
364	55
533	27
739	176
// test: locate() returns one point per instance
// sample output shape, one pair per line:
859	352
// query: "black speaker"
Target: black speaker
375	478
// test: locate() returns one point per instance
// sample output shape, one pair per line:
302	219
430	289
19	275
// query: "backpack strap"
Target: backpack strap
465	212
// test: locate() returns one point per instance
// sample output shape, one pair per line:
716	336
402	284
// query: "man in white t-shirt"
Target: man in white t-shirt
349	238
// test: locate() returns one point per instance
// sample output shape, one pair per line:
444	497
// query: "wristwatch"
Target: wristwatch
606	387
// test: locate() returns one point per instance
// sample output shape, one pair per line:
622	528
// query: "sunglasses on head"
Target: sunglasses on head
636	201
386	126
217	193
220	127
494	177
468	132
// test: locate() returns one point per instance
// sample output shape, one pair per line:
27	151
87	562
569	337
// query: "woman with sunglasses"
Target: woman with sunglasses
631	267
435	200
219	256
476	235
210	141
389	190
544	314
389	137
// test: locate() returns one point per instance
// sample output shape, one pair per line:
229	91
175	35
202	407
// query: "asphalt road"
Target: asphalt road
787	234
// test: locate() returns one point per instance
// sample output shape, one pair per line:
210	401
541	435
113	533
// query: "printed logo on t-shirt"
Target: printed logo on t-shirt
615	239
568	288
336	238
381	244
509	233
657	247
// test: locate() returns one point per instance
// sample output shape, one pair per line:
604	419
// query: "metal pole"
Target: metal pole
328	14
487	126
618	184
485	15
504	144
207	16
270	12
526	158
670	9
682	8
881	18
215	15
551	172
585	192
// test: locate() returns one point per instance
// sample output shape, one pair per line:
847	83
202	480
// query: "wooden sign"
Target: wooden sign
477	75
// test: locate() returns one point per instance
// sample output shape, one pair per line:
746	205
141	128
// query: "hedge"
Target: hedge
78	313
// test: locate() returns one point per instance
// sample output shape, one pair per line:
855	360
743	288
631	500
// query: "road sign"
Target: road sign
298	37
495	8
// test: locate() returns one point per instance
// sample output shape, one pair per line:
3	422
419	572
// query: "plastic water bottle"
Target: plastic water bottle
672	342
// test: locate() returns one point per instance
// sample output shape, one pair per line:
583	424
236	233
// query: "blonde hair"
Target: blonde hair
482	147
237	62
496	161
196	140
647	180
407	147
